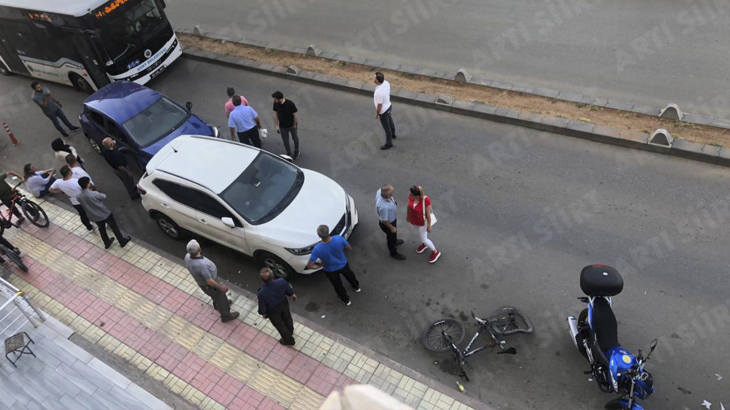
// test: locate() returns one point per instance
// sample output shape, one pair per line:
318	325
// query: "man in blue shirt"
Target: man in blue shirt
273	305
387	210
244	122
334	262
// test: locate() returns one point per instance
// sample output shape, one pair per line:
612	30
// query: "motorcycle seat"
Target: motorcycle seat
604	324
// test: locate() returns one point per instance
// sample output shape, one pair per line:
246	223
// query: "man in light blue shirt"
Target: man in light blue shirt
244	122
387	210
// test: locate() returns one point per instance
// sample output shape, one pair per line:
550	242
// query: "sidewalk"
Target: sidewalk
146	309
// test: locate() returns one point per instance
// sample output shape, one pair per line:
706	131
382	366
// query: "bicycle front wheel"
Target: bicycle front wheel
35	214
508	320
13	257
439	335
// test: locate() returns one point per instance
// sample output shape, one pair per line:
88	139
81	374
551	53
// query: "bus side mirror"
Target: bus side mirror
189	105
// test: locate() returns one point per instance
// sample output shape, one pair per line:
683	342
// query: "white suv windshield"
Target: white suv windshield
155	121
264	189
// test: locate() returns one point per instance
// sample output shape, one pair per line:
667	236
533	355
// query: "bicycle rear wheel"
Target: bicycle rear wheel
13	257
34	213
508	320
433	337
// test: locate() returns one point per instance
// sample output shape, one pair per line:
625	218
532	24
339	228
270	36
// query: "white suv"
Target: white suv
244	198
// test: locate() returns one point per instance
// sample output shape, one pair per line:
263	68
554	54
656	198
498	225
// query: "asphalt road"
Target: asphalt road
651	52
520	213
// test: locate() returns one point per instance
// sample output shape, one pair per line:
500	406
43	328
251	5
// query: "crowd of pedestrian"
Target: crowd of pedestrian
245	127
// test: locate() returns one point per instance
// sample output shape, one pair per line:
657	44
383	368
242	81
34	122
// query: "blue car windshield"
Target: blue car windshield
155	122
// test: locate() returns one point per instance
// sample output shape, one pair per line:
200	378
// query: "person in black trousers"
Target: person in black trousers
274	305
329	255
116	159
387	210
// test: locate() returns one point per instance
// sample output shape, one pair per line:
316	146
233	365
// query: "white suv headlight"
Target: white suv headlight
302	251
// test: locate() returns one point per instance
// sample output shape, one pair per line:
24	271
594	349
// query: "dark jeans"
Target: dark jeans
285	136
220	300
392	238
16	211
128	183
45	189
280	318
112	224
83	216
250	137
334	278
386	120
54	116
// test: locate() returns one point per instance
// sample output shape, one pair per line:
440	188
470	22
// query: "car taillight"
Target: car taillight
141	190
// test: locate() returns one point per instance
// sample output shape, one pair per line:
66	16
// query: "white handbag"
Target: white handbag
433	216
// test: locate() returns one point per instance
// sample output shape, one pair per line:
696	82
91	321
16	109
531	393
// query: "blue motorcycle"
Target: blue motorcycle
595	335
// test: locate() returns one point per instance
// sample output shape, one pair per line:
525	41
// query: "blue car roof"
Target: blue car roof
122	100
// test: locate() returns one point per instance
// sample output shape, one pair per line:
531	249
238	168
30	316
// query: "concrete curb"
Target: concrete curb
462	75
597	133
429	382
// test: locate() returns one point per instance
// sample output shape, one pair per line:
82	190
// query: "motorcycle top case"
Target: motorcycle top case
601	280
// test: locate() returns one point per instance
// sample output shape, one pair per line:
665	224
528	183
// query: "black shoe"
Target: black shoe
109	244
399	242
126	241
297	154
386	146
394	137
136	197
232	316
65	135
73	128
347	303
398	256
286	344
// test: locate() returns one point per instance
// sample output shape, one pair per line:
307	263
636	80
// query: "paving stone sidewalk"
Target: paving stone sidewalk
146	309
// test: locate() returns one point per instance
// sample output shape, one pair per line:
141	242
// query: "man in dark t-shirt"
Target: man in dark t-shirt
116	160
286	119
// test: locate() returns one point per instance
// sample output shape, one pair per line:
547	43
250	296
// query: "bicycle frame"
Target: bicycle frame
462	355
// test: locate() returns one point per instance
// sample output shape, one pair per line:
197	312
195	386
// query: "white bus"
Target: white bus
86	43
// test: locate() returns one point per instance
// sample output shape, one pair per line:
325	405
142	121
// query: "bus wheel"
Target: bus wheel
80	84
4	70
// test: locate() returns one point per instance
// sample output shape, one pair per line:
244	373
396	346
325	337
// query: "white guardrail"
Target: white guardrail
16	310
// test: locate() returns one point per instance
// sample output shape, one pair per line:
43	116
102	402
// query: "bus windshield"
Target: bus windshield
128	27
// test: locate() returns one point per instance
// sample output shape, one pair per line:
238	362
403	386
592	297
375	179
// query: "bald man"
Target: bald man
273	305
387	210
118	162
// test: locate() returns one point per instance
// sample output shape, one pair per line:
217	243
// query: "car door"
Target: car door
178	203
210	215
94	128
125	144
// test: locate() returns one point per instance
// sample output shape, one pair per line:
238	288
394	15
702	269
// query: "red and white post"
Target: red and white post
10	133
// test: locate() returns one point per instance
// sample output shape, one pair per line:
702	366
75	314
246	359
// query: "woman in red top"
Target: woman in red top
419	215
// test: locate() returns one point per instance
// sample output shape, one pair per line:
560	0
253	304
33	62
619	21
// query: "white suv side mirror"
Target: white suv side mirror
228	222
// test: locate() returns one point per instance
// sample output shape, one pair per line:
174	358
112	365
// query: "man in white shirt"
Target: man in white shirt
70	186
76	169
383	109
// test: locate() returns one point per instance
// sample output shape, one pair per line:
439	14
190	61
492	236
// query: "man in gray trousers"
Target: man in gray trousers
93	204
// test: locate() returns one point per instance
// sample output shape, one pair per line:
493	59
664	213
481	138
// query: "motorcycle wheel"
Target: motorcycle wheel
616	404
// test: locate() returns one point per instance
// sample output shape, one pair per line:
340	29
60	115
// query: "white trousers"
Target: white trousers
424	238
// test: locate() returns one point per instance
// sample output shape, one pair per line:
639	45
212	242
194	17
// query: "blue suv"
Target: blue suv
141	120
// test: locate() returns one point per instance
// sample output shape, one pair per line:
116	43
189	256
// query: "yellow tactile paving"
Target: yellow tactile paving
157	372
225	356
285	390
244	368
307	399
190	336
157	318
173	327
208	346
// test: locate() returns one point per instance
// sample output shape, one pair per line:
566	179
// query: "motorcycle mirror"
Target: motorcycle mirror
652	346
511	350
189	105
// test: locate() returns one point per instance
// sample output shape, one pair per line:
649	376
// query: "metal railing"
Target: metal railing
16	310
